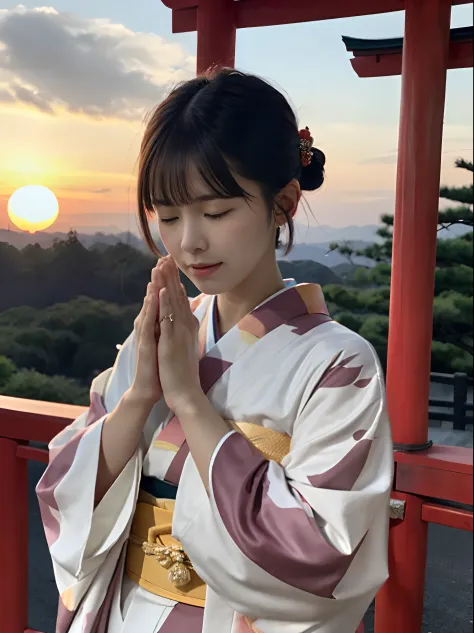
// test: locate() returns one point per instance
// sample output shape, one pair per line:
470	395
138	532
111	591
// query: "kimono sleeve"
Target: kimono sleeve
80	537
310	535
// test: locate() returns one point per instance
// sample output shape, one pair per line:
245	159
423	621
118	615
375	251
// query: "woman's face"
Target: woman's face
218	243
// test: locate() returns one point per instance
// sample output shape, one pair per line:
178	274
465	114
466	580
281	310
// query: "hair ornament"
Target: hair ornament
306	144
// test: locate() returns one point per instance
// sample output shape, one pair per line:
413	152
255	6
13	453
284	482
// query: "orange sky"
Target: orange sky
82	141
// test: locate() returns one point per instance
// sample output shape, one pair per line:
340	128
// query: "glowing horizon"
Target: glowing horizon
79	135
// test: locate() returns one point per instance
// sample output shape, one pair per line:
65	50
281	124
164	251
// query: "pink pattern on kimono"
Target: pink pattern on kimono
97	621
313	297
210	370
96	409
60	461
172	433
183	619
303	324
58	468
243	624
284	307
173	474
259	528
50	523
64	618
338	375
344	474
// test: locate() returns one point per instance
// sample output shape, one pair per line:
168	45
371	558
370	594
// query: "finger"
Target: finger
171	276
175	276
165	311
174	292
149	319
155	276
183	298
160	281
166	272
139	320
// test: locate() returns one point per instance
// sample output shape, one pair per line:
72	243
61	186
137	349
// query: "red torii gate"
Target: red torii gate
439	472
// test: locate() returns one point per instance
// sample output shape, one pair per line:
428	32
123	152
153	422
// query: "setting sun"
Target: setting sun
33	208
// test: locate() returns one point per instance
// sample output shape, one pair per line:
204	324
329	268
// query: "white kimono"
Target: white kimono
296	547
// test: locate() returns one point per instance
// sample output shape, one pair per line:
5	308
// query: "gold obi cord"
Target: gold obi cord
155	560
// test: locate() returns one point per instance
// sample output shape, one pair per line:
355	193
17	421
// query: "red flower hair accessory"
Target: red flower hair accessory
306	144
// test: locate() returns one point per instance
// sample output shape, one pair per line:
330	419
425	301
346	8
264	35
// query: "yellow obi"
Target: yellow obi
155	560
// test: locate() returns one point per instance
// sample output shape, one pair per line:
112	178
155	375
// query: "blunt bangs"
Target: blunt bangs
173	160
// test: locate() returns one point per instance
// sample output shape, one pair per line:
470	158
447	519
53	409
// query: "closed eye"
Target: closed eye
217	216
212	216
167	220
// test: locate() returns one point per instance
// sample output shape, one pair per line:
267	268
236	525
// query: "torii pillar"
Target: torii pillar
216	33
425	63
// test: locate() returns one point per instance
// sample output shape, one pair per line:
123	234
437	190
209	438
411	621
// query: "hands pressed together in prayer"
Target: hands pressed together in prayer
167	342
168	364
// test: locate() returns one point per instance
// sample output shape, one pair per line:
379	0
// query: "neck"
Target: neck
234	305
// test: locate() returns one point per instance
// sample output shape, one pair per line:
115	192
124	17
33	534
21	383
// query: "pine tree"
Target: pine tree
363	304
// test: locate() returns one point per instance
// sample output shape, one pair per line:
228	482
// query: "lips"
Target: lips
205	270
199	266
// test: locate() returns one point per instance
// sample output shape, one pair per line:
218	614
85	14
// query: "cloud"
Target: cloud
100	191
31	97
97	191
53	60
6	96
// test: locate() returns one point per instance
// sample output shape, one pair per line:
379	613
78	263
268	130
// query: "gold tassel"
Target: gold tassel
179	575
173	558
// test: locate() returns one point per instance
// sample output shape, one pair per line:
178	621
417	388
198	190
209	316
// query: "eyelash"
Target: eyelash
216	216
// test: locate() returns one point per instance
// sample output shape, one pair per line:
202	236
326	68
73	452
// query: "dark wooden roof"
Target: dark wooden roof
395	45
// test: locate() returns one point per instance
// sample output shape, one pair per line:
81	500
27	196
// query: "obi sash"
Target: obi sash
155	560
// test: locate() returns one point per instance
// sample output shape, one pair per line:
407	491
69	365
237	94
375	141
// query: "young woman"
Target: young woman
232	473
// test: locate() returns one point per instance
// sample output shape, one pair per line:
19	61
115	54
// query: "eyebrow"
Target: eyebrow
208	197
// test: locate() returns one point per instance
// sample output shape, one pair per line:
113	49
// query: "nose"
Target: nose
193	238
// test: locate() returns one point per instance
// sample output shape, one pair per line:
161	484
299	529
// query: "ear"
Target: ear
287	200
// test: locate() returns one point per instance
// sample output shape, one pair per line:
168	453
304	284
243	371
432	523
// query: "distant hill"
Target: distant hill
346	271
20	239
367	233
320	253
309	272
325	234
311	241
315	252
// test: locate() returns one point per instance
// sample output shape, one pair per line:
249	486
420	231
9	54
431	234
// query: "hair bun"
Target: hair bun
312	176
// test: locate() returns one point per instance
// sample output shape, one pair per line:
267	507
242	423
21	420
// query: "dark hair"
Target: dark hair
220	122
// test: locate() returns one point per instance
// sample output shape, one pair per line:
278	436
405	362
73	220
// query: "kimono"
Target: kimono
297	546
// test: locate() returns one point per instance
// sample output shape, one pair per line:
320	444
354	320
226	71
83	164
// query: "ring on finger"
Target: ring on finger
170	317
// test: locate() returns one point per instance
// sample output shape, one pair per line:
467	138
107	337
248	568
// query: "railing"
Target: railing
459	405
424	484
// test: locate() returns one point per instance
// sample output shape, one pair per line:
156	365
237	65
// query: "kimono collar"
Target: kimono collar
294	301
